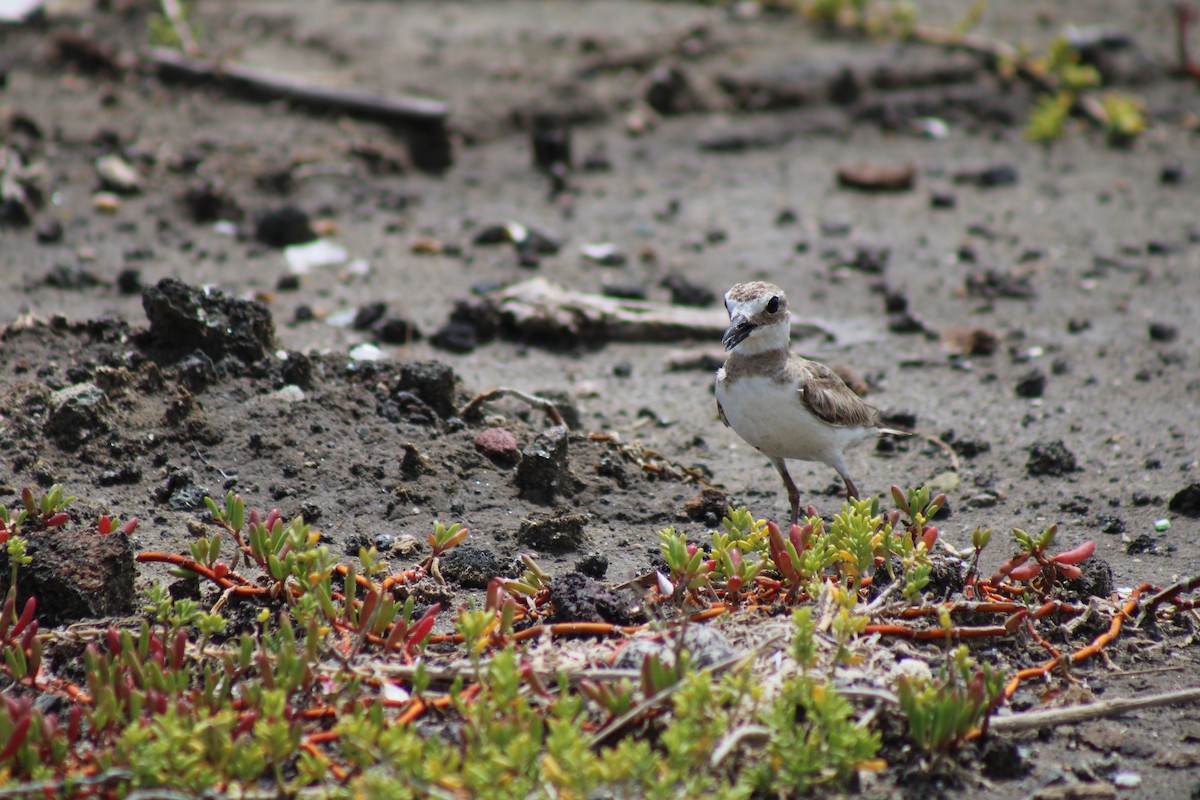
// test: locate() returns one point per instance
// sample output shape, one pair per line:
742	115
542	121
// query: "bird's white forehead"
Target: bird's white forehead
751	298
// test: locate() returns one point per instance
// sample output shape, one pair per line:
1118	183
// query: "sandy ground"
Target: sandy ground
1096	351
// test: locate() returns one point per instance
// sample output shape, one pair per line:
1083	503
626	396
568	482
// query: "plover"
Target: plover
780	402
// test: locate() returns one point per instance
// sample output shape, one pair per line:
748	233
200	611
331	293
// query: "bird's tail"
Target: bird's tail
897	432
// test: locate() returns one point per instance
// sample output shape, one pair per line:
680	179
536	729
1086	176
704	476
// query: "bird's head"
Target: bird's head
758	318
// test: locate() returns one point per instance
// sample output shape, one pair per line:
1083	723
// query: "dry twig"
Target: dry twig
1049	718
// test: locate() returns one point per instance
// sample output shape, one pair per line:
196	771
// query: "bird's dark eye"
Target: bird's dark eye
773	305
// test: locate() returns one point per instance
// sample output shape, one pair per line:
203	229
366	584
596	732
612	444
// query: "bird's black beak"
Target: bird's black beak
739	329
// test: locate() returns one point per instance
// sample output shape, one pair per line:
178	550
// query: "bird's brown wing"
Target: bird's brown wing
830	400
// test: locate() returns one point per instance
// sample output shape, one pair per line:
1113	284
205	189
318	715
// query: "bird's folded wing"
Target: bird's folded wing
830	400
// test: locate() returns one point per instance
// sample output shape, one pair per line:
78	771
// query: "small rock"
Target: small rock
905	323
670	91
77	414
1003	758
50	232
872	260
1163	332
310	511
994	284
593	565
988	177
1141	544
106	202
180	492
425	246
129	281
709	506
397	330
499	445
283	227
124	474
304	257
289	394
384	542
365	351
597	159
1186	501
186	317
406	545
456	336
869	177
1157	247
557	531
296	368
894	302
544	471
983	500
969	448
75	576
71	277
414	464
551	145
1171	174
196	371
432	381
785	217
1032	384
1050	458
576	597
117	175
1077	325
368	314
605	254
835	228
1141	498
470	566
287	283
208	200
686	293
705	644
623	369
942	200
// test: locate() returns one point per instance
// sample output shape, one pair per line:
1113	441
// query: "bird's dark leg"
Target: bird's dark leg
851	489
790	485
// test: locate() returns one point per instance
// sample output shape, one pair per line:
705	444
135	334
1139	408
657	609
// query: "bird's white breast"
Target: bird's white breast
769	415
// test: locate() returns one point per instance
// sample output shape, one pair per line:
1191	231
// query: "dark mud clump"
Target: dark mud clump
557	531
1096	579
75	575
708	506
545	469
1187	501
471	567
78	414
183	317
1051	458
433	382
578	598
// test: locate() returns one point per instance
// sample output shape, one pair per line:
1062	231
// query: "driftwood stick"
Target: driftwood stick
539	308
474	408
1034	720
389	108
